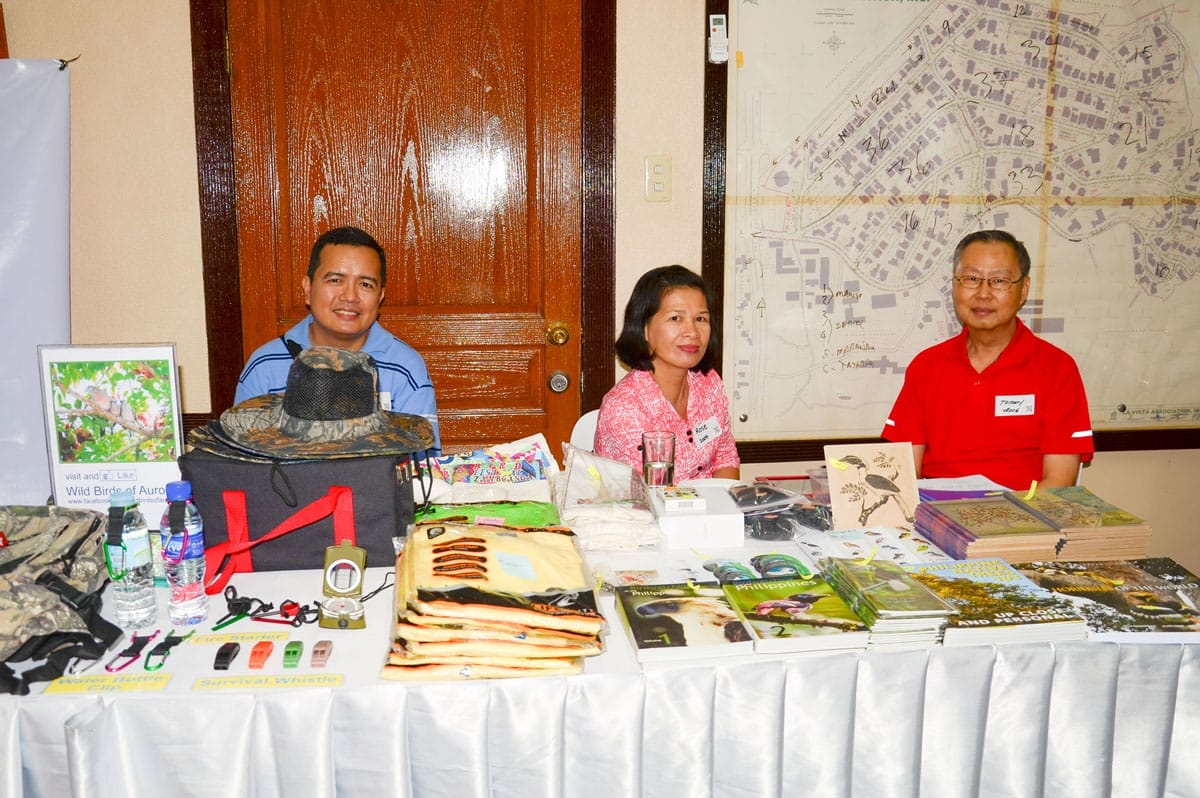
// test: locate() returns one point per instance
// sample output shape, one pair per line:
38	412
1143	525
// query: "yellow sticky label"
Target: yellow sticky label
109	683
870	555
273	635
259	682
738	59
839	464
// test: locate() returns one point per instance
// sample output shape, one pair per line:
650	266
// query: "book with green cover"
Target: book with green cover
882	589
1092	528
1074	506
798	614
996	603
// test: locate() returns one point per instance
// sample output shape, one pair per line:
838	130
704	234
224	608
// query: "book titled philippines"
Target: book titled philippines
682	621
996	603
1148	600
799	614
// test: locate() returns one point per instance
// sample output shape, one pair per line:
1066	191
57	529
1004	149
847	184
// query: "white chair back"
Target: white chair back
584	432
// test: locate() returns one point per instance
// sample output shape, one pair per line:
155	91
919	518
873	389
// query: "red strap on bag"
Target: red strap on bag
232	556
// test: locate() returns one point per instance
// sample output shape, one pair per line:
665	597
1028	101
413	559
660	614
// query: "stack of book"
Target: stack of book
684	623
1092	528
477	601
996	603
1148	600
900	611
993	526
796	615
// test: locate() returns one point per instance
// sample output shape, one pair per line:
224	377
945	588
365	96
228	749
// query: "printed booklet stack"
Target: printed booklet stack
481	601
987	527
1092	529
997	604
900	611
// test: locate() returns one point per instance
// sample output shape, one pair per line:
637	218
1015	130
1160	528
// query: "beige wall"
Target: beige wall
135	212
135	239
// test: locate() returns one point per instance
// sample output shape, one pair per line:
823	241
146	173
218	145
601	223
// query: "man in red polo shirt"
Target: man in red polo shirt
996	399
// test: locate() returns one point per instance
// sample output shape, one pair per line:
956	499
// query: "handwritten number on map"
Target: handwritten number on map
1000	76
1018	178
1129	139
876	146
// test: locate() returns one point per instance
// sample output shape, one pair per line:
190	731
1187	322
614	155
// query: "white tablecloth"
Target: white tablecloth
1076	719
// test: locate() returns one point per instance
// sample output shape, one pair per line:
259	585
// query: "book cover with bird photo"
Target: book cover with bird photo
798	614
872	484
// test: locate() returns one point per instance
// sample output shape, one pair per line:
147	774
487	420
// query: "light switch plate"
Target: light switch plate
658	178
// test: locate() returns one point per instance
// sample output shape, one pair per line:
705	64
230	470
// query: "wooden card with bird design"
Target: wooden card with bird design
872	484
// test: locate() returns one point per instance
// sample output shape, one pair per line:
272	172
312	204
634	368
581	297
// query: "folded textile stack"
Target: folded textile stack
1092	529
987	527
477	601
901	612
595	498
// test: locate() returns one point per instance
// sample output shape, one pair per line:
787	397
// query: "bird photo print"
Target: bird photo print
872	484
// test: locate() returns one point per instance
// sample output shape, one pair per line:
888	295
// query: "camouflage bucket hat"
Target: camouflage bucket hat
329	409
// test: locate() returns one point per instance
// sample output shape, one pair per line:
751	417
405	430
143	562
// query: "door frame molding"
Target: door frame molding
218	203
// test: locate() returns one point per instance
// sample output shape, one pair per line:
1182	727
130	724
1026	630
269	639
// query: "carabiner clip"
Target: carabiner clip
159	653
108	560
131	652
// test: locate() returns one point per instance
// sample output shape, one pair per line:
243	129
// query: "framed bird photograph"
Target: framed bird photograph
112	423
872	484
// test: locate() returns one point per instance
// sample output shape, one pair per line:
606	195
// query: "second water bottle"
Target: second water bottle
183	556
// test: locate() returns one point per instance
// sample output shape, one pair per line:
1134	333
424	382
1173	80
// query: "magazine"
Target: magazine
997	604
1149	600
681	621
785	615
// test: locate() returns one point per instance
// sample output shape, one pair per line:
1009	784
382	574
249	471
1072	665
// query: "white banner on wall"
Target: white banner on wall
35	238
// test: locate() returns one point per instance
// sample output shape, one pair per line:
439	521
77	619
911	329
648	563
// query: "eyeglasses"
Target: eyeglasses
972	282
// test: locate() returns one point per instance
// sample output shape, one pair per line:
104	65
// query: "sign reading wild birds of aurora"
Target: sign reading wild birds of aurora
113	423
867	137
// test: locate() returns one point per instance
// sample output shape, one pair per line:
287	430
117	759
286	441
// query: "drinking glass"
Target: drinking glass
658	458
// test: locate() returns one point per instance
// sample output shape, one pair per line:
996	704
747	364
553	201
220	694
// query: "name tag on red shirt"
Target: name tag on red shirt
1014	405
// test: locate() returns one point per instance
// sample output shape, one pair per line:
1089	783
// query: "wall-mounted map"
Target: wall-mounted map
866	137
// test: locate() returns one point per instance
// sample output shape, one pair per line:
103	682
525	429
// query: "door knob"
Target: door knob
557	333
559	381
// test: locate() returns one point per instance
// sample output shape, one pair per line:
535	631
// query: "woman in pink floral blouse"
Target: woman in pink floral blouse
670	343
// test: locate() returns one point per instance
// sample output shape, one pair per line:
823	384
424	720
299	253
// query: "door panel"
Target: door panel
451	132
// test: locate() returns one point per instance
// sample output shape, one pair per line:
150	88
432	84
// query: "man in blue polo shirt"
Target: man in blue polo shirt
344	289
996	399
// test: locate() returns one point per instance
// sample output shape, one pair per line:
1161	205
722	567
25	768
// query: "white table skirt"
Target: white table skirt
1075	719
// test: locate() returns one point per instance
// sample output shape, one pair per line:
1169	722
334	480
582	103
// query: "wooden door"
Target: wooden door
451	132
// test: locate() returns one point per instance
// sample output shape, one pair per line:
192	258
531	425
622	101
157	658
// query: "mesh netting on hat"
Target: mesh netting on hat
322	394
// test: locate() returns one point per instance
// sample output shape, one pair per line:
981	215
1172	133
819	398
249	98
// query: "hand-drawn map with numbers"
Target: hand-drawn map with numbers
866	137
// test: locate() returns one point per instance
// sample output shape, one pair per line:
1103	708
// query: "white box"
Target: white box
720	523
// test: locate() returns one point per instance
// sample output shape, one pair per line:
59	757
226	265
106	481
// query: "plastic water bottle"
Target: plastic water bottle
129	564
183	556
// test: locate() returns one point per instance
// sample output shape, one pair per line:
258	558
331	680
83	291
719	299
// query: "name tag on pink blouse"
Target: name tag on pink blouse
708	431
1014	405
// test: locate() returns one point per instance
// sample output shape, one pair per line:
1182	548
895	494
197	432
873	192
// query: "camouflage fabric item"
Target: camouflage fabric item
330	408
67	543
